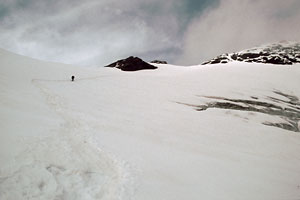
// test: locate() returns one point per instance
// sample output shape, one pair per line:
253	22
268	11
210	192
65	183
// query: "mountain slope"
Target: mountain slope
117	135
283	53
44	154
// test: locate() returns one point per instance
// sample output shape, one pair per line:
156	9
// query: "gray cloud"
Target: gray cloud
96	32
181	31
238	24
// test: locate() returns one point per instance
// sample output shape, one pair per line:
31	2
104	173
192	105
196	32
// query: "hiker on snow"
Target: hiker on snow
72	77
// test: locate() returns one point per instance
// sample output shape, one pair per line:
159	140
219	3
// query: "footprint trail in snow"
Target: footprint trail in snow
66	165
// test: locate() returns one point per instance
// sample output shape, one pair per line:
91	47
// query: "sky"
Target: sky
183	32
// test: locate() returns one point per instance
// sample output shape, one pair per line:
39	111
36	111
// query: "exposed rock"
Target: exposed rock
286	53
131	64
159	62
287	110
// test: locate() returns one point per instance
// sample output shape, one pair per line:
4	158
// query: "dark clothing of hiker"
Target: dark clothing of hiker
72	77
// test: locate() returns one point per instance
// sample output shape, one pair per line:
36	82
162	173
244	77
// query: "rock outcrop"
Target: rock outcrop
131	64
284	53
159	62
288	110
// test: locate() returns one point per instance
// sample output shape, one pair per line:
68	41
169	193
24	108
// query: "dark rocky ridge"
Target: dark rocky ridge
131	64
159	62
284	53
287	110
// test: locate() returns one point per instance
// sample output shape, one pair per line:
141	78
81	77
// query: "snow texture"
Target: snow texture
111	134
283	53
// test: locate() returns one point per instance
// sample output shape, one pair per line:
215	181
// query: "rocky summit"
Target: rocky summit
131	64
282	53
159	62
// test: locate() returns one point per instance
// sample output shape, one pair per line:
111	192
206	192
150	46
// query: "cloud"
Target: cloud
238	24
180	31
96	32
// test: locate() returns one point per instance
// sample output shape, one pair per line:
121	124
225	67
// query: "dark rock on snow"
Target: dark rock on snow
284	53
287	110
131	64
159	62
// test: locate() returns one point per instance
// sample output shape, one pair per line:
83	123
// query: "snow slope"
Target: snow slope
132	135
282	53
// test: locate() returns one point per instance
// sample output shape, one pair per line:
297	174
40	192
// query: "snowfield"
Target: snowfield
138	135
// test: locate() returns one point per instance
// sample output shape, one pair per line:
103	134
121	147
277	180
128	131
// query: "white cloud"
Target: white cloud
93	32
240	24
99	32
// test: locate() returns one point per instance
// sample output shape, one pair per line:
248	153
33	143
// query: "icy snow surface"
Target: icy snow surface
130	135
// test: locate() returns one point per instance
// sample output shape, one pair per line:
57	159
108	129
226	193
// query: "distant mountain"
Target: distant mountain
282	53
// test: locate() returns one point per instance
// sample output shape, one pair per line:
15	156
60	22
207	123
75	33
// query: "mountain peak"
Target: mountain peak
131	64
281	53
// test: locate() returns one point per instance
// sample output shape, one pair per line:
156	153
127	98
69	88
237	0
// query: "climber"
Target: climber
72	77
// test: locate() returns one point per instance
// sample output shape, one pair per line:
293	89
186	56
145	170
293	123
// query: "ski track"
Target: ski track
67	164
